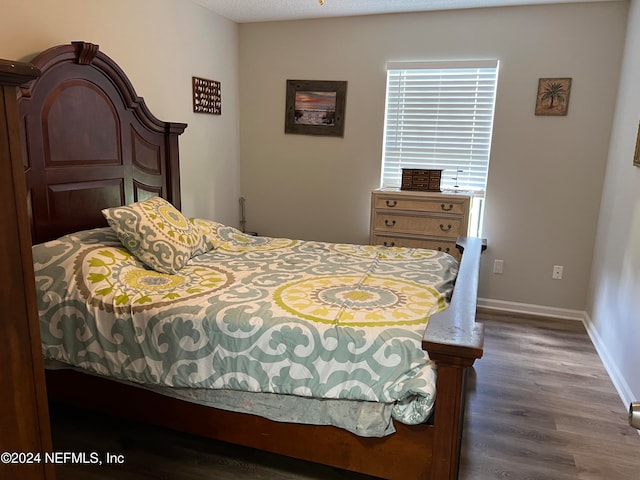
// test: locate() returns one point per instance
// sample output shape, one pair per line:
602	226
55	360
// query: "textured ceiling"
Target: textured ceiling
246	11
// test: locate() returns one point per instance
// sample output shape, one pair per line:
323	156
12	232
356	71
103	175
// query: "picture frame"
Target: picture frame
636	155
553	96
207	96
315	107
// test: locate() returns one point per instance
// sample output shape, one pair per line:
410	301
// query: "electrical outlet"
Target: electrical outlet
557	272
497	266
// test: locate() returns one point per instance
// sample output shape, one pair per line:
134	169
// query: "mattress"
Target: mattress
252	314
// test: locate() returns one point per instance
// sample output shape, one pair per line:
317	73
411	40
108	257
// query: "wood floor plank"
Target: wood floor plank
540	407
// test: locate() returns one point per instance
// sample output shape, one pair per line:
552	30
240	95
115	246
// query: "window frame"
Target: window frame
418	145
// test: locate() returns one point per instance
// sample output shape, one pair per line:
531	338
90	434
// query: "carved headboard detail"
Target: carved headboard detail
89	142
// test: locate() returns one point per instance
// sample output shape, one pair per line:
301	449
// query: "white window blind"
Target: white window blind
439	115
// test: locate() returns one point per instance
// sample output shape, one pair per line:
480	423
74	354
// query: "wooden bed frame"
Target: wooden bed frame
90	142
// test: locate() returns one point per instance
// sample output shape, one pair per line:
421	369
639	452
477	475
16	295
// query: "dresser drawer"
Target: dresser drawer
430	220
456	206
410	242
433	226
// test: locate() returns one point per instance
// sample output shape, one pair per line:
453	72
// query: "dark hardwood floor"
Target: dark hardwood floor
540	407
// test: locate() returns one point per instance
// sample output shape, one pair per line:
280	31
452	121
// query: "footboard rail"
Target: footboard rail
454	341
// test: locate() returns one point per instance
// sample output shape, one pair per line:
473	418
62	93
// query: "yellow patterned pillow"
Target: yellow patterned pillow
209	231
156	233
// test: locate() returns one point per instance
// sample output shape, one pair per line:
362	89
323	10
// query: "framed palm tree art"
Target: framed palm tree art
553	96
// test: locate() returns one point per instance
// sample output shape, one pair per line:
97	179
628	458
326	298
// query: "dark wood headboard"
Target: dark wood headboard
89	142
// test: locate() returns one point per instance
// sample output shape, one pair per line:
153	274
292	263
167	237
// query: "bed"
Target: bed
93	149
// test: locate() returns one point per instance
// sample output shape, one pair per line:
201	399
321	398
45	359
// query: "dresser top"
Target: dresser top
397	191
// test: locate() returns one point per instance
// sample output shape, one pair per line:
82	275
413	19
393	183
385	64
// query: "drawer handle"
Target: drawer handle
446	250
445	229
445	208
392	223
389	244
391	203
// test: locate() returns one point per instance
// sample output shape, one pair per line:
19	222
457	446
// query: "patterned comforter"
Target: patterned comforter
254	314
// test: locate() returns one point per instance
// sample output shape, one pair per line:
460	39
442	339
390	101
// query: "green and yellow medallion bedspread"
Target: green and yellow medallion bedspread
255	314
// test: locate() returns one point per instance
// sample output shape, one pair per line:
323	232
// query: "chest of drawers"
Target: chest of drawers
419	219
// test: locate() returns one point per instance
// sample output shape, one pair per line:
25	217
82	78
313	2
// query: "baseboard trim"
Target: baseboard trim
530	309
621	386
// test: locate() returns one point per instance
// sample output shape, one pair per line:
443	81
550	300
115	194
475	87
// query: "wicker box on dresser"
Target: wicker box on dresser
434	220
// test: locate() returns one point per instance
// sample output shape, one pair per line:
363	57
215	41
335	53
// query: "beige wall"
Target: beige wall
614	296
160	44
545	175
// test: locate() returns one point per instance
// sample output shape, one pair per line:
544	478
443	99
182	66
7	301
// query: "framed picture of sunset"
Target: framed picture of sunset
315	107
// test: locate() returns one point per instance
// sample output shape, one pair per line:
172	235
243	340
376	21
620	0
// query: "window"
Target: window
439	115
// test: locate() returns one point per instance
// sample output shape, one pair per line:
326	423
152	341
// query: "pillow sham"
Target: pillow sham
209	231
156	233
